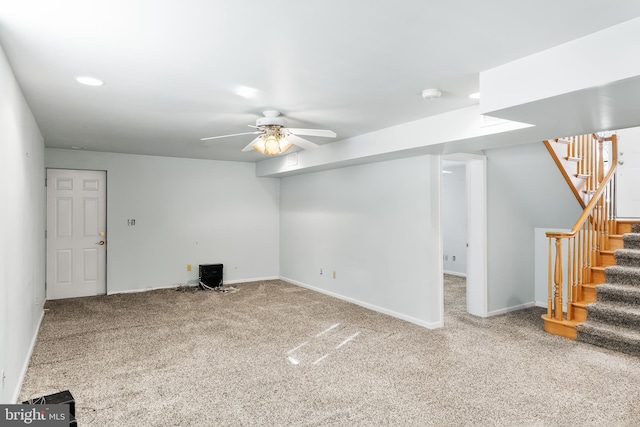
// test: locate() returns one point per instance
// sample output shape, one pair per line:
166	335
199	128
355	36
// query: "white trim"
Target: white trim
454	273
23	372
388	312
510	309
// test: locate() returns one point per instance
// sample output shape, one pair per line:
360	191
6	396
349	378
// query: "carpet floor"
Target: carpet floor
274	354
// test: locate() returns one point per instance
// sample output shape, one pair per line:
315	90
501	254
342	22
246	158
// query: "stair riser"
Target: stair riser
617	298
612	344
627	262
631	242
618	319
615	242
623	279
607	259
597	276
579	314
588	294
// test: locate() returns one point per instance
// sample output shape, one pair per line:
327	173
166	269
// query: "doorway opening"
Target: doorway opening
464	231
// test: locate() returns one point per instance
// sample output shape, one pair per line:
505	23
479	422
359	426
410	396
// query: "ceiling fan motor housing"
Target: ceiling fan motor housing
271	118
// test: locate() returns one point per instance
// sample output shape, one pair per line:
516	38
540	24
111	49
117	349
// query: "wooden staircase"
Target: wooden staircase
586	292
577	259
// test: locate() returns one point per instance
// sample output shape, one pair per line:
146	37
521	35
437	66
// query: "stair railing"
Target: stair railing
578	247
579	159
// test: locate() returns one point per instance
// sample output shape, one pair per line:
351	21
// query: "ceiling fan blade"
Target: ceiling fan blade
301	142
250	146
226	136
313	132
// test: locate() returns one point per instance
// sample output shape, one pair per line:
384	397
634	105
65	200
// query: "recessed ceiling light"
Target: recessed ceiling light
246	92
431	93
89	81
475	95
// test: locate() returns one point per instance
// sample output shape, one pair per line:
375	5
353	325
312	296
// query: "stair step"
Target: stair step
607	258
612	337
627	257
564	141
598	274
631	240
622	275
615	242
579	311
615	314
589	293
563	328
617	293
627	226
572	159
582	175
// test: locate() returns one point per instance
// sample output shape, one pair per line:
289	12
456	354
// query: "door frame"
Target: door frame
106	213
476	195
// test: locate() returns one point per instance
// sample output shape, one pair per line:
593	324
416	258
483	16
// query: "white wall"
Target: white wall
525	191
22	223
454	219
187	212
376	226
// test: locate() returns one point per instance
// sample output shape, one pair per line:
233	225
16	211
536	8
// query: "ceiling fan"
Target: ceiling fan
274	137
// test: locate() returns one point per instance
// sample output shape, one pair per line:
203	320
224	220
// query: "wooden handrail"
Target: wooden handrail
596	196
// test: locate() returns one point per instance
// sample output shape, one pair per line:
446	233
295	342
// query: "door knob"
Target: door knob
101	242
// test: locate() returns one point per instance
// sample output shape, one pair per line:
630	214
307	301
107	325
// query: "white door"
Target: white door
76	233
628	173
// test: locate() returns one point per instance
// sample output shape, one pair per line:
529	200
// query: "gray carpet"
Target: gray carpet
613	321
273	354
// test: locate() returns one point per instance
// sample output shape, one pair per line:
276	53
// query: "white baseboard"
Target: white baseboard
455	273
25	366
429	325
509	309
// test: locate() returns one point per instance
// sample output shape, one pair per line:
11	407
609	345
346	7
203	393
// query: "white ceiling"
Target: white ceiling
172	68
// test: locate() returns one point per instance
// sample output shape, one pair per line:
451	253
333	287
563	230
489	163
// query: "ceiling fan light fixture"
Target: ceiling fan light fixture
272	144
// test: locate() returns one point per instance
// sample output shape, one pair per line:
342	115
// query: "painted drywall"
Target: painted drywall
377	226
454	219
591	61
525	190
22	224
186	211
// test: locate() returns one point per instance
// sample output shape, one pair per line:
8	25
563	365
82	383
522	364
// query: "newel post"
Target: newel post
558	281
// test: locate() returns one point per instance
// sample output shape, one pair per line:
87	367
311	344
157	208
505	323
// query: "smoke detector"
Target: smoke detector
431	93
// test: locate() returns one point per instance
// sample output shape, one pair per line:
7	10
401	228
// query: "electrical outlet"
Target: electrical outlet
321	272
188	267
334	274
446	257
454	257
